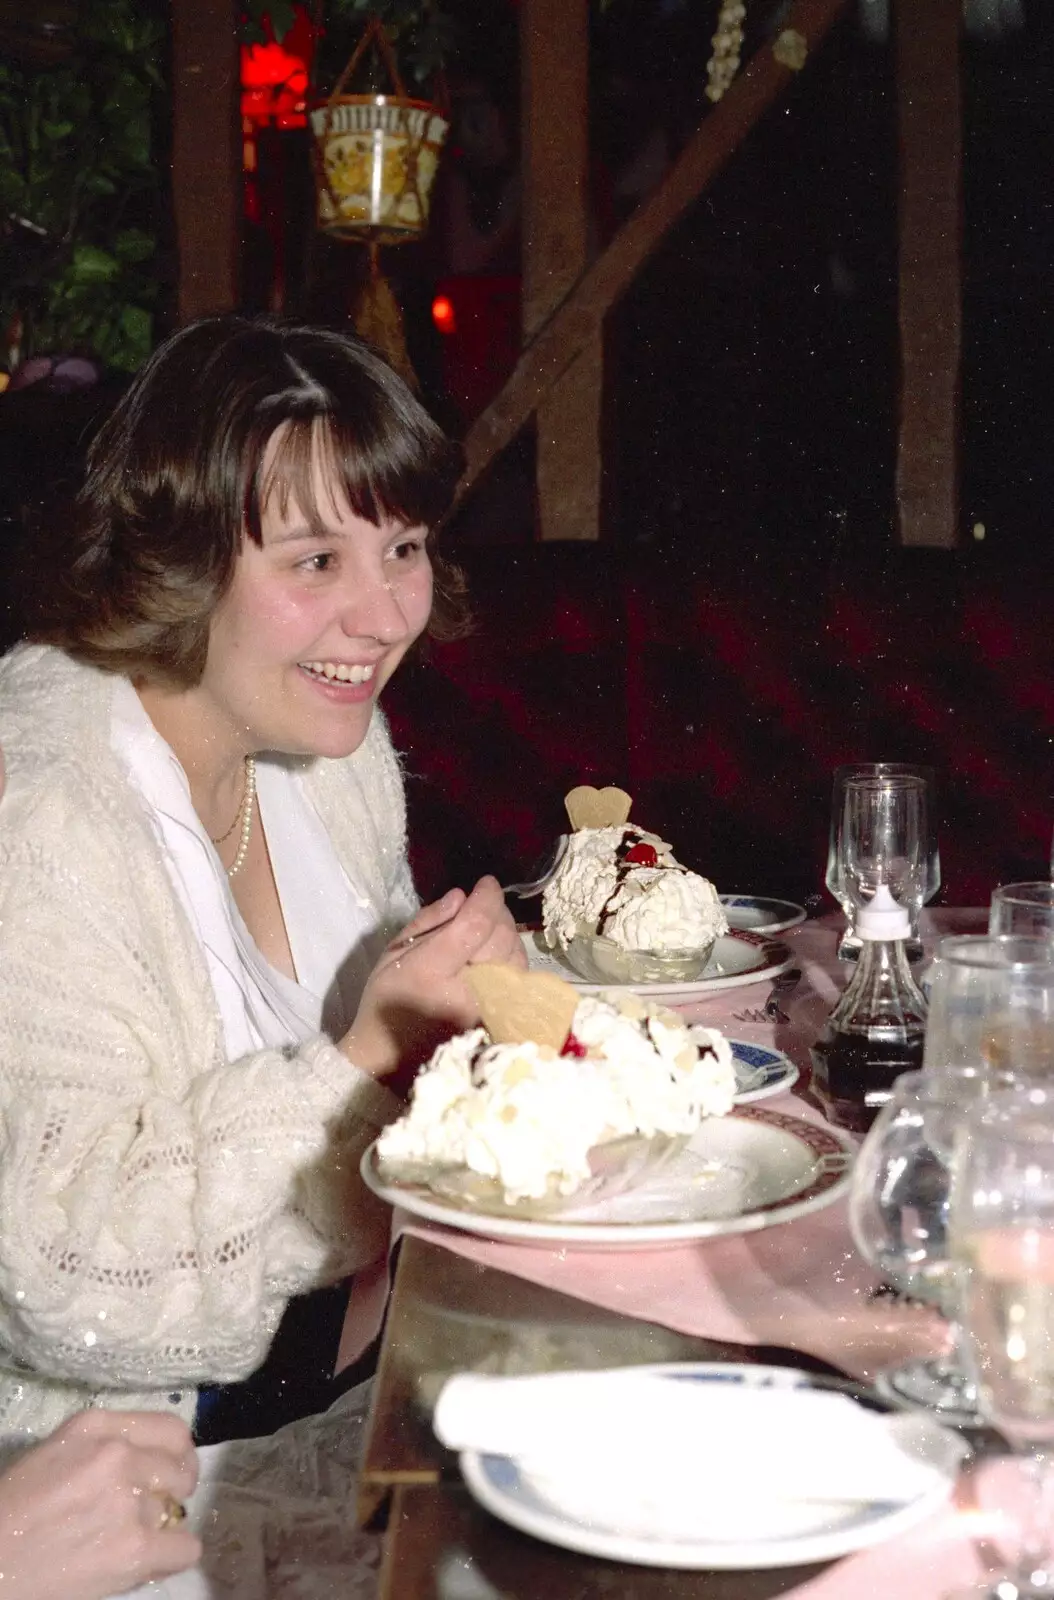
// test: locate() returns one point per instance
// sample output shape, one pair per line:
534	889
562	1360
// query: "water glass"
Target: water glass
1025	908
886	772
1001	1225
991	1015
898	1214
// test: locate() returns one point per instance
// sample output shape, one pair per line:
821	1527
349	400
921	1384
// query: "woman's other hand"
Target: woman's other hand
82	1515
416	994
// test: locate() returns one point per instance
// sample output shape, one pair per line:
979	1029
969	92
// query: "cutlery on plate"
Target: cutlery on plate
526	891
772	1011
784	985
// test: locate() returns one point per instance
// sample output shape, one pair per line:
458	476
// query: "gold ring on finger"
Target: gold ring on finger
173	1511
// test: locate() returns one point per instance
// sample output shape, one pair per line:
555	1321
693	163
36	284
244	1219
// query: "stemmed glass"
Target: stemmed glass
887	775
1001	1224
898	1214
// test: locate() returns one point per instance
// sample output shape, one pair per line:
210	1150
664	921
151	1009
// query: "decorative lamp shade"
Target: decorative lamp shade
275	75
375	160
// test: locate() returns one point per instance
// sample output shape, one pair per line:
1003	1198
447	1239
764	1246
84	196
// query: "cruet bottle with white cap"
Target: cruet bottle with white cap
877	1029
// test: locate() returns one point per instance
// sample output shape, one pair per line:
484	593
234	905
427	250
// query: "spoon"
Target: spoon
526	891
534	886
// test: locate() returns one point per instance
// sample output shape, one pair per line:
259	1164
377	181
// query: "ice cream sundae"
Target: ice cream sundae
524	1102
624	884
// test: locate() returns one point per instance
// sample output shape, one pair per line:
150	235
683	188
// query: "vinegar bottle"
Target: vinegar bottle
877	1029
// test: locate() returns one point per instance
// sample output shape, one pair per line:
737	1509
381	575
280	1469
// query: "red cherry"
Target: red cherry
642	855
574	1047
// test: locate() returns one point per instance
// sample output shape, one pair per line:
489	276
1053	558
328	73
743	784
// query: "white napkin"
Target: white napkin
672	1457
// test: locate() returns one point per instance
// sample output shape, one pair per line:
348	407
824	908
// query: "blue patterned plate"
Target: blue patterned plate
754	913
760	1071
645	1536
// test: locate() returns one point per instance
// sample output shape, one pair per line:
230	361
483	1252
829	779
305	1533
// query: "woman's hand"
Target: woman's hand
82	1514
416	994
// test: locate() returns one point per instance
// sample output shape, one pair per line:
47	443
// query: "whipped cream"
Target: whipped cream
527	1117
648	903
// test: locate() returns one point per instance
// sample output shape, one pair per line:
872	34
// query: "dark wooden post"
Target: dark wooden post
554	52
929	114
577	323
206	155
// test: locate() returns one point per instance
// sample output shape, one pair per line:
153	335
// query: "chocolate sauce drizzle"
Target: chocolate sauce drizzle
631	837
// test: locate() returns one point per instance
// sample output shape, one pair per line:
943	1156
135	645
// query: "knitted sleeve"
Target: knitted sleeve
158	1204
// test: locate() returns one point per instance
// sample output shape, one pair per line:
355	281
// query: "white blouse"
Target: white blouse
327	921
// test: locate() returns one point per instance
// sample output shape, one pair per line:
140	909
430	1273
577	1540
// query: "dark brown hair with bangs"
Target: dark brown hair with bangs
175	483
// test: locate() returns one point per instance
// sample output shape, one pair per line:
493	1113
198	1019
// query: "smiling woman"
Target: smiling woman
203	865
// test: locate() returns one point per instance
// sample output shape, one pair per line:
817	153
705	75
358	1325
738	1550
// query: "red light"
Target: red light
443	314
275	77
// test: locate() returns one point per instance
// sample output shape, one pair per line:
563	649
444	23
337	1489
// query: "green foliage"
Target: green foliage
80	187
279	13
422	34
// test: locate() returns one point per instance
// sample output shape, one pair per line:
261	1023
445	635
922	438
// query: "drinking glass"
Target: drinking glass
1001	1225
991	1016
890	772
1026	908
883	834
898	1214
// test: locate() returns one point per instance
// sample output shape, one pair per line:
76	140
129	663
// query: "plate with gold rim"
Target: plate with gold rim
738	958
753	1169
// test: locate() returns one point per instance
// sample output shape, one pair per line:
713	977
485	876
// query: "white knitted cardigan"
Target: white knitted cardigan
159	1204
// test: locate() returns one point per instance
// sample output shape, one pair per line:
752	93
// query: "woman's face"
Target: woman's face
312	628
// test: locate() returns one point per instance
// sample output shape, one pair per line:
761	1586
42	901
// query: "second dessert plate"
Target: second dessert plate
738	958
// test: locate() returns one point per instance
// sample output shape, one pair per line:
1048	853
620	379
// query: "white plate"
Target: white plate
760	1071
738	1173
759	914
502	1486
738	958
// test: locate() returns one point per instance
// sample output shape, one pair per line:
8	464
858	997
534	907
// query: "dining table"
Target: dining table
795	1294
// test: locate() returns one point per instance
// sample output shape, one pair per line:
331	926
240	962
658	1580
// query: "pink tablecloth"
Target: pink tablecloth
968	1544
799	1284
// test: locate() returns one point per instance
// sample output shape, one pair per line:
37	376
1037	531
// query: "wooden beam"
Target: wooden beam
579	318
569	450
554	55
206	155
929	116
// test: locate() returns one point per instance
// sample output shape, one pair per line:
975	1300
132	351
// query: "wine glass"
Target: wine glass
1026	908
898	1214
991	1015
1001	1226
886	772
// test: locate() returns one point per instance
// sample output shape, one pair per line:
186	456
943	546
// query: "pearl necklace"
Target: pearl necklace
245	817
